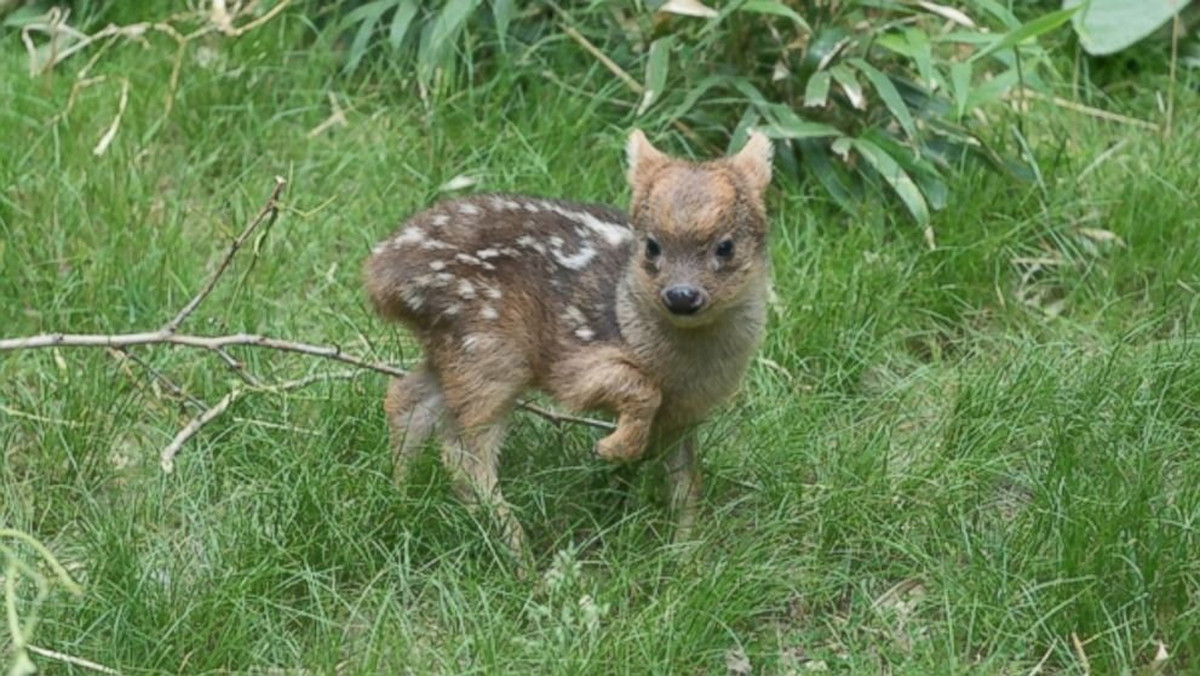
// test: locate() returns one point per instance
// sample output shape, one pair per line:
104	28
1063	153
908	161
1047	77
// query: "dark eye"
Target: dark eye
653	250
725	248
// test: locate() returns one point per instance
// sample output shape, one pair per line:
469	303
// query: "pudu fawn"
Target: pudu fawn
652	317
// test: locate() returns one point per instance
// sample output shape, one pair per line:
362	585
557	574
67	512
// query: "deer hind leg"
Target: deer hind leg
478	414
415	407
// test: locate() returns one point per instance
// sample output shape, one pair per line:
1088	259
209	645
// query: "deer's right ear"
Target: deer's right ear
643	158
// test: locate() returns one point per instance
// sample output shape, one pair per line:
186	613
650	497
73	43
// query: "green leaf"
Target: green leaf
443	32
922	56
891	97
1108	26
401	21
845	78
832	176
816	92
783	123
367	17
1030	29
741	132
960	81
776	8
503	12
896	177
657	66
997	10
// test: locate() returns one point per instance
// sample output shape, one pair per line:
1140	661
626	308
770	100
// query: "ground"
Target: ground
974	459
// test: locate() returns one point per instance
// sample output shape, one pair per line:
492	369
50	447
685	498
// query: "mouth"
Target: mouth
691	320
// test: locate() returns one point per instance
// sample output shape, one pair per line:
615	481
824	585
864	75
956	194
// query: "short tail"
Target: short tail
386	281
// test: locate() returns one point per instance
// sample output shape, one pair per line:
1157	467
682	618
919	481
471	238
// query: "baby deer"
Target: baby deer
652	317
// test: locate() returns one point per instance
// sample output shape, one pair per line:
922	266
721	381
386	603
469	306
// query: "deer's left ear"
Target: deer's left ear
643	158
753	161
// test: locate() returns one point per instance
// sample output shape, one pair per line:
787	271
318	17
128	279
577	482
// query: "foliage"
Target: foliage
862	92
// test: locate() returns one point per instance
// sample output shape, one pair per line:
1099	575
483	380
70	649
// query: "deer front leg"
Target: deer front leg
605	379
683	483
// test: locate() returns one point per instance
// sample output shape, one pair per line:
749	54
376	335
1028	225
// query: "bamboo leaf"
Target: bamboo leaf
367	17
853	90
816	92
891	97
774	7
895	176
401	21
503	12
657	66
1030	29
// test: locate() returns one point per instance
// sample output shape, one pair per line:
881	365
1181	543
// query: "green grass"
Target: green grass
1018	450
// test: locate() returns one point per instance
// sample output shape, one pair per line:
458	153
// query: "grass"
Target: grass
945	462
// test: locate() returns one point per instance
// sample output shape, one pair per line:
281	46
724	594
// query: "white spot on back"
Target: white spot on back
412	297
585	333
485	254
431	244
437	265
489	312
529	242
468	209
466	289
493	293
467	258
613	233
577	260
440	220
452	309
531	207
442	279
377	249
410	235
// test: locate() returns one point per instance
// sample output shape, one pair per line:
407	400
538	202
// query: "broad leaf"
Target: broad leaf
1108	26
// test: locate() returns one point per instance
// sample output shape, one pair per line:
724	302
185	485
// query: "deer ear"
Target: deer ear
643	158
753	161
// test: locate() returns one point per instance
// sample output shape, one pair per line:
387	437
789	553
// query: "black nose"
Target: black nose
683	300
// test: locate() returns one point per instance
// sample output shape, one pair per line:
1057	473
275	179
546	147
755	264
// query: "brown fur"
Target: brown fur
508	293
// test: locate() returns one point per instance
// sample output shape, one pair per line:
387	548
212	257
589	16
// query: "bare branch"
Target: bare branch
167	457
268	213
70	659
